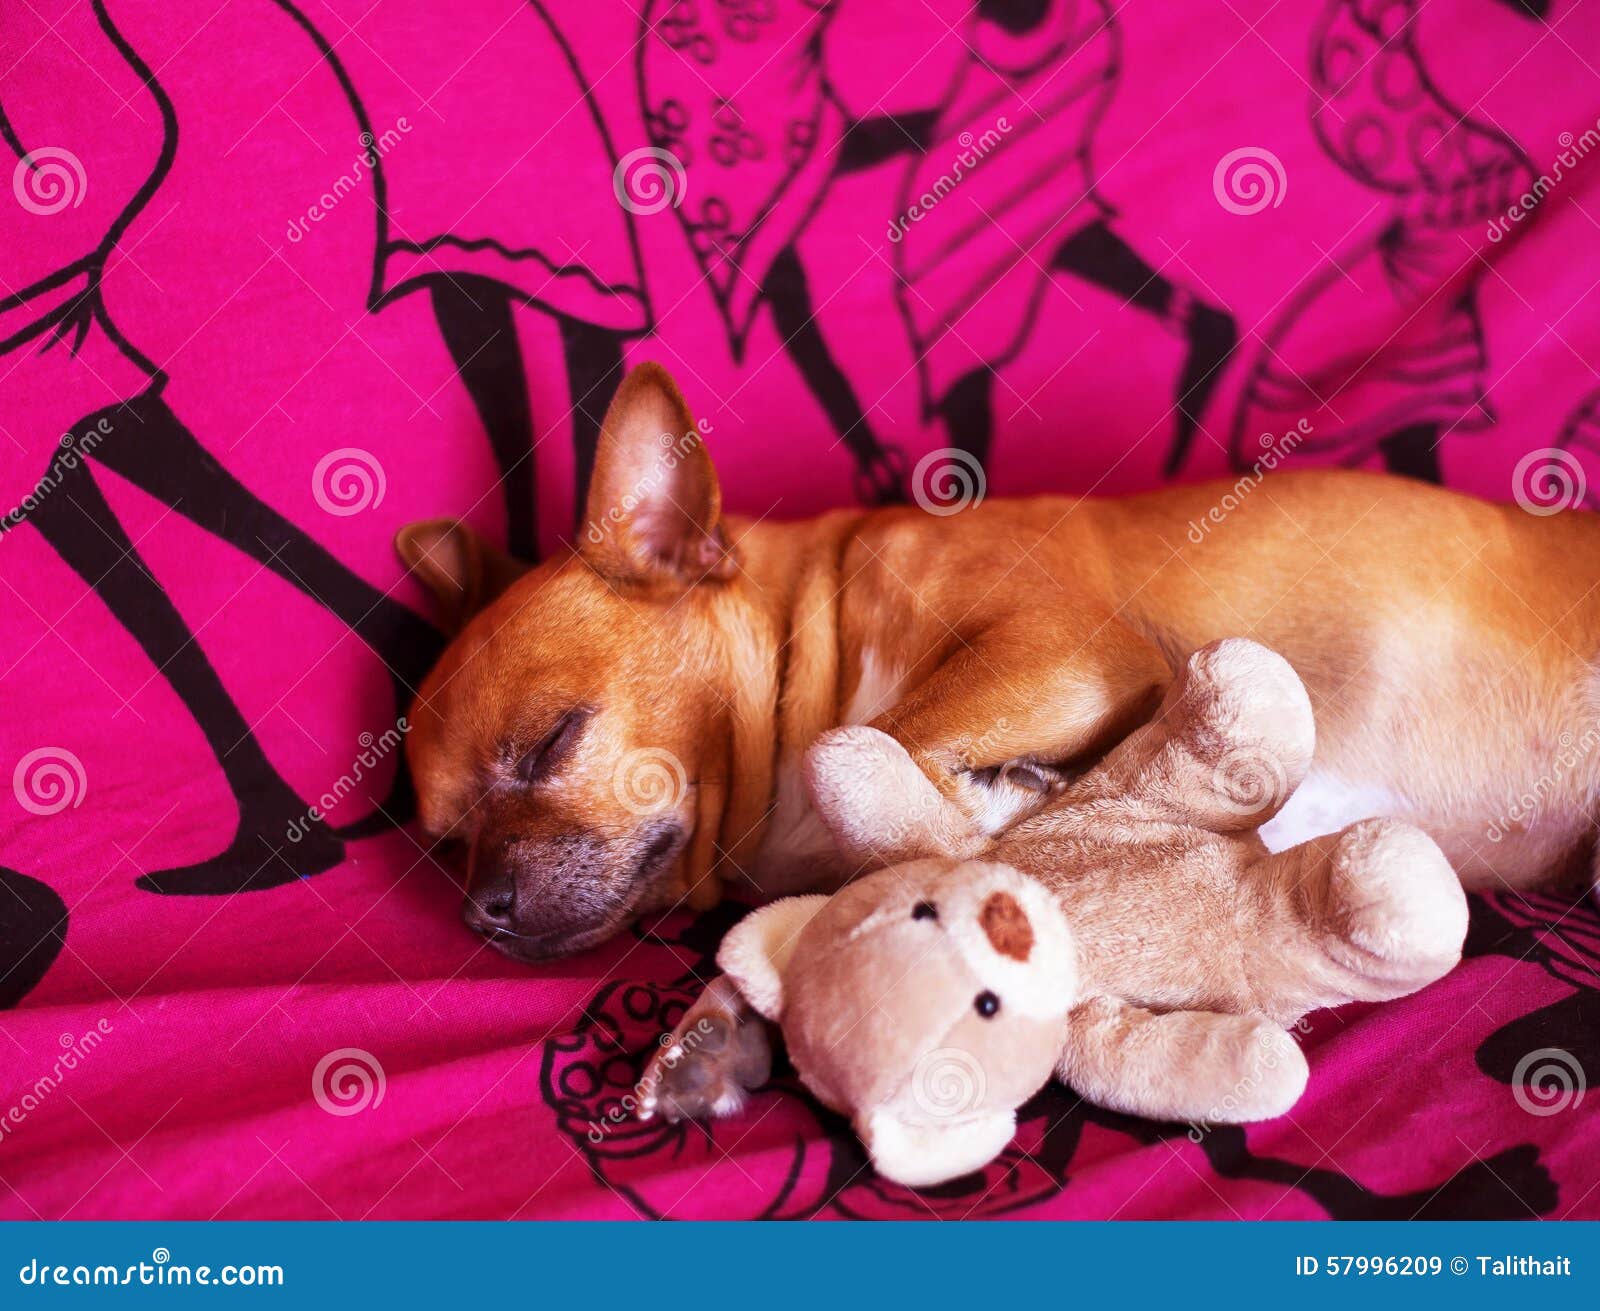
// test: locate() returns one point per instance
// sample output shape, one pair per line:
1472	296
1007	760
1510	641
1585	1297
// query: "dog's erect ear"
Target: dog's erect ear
756	949
462	569
655	509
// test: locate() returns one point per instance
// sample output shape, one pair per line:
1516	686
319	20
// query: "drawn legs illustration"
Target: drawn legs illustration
1411	287
67	342
476	318
880	469
1395	403
81	527
510	247
78	523
973	266
738	102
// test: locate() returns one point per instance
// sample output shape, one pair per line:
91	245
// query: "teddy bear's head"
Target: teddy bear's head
926	1002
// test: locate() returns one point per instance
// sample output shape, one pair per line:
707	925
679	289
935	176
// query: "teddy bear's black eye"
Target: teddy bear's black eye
924	910
986	1004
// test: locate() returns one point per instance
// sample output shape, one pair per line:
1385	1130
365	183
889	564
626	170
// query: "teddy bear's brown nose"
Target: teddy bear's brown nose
1006	925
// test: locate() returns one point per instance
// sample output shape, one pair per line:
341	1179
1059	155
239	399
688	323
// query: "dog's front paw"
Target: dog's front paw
996	797
718	1052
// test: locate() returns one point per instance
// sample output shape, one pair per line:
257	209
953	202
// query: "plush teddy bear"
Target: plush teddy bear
1133	936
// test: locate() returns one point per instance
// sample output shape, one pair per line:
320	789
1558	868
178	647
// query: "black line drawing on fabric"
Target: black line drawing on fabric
139	437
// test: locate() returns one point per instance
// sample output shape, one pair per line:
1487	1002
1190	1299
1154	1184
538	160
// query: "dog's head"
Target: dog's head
575	735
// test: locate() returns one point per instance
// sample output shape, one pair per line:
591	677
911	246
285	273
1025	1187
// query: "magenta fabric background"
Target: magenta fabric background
207	577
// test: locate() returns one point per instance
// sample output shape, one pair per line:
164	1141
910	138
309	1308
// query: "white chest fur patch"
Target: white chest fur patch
1326	803
796	838
878	689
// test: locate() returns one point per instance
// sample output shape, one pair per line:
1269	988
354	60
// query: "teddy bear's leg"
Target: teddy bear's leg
1231	740
1370	913
720	1050
1195	1066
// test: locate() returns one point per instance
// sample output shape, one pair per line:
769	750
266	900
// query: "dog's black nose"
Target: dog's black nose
491	907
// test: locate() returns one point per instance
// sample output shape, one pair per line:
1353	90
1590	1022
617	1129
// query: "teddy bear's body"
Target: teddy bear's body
1134	934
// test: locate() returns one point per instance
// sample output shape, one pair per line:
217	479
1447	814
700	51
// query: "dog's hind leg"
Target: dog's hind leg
719	1051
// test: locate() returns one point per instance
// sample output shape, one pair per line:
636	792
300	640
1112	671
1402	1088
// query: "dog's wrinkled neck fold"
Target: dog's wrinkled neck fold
780	613
780	624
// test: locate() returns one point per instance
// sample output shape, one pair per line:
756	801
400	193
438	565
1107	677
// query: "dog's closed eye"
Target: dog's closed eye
551	752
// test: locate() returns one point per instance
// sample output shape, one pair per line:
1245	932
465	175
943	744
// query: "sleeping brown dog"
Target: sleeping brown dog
621	729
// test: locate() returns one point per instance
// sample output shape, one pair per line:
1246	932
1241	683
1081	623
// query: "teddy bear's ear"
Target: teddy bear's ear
878	804
758	947
922	1155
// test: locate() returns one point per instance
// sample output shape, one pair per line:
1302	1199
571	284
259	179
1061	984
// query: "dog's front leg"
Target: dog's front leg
1010	716
719	1051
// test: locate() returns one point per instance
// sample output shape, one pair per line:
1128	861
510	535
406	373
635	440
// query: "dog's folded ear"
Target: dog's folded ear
655	508
462	569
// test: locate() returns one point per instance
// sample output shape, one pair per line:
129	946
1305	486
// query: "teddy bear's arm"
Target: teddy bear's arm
1231	740
1195	1066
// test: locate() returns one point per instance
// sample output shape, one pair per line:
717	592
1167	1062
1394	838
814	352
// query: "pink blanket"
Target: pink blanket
279	277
